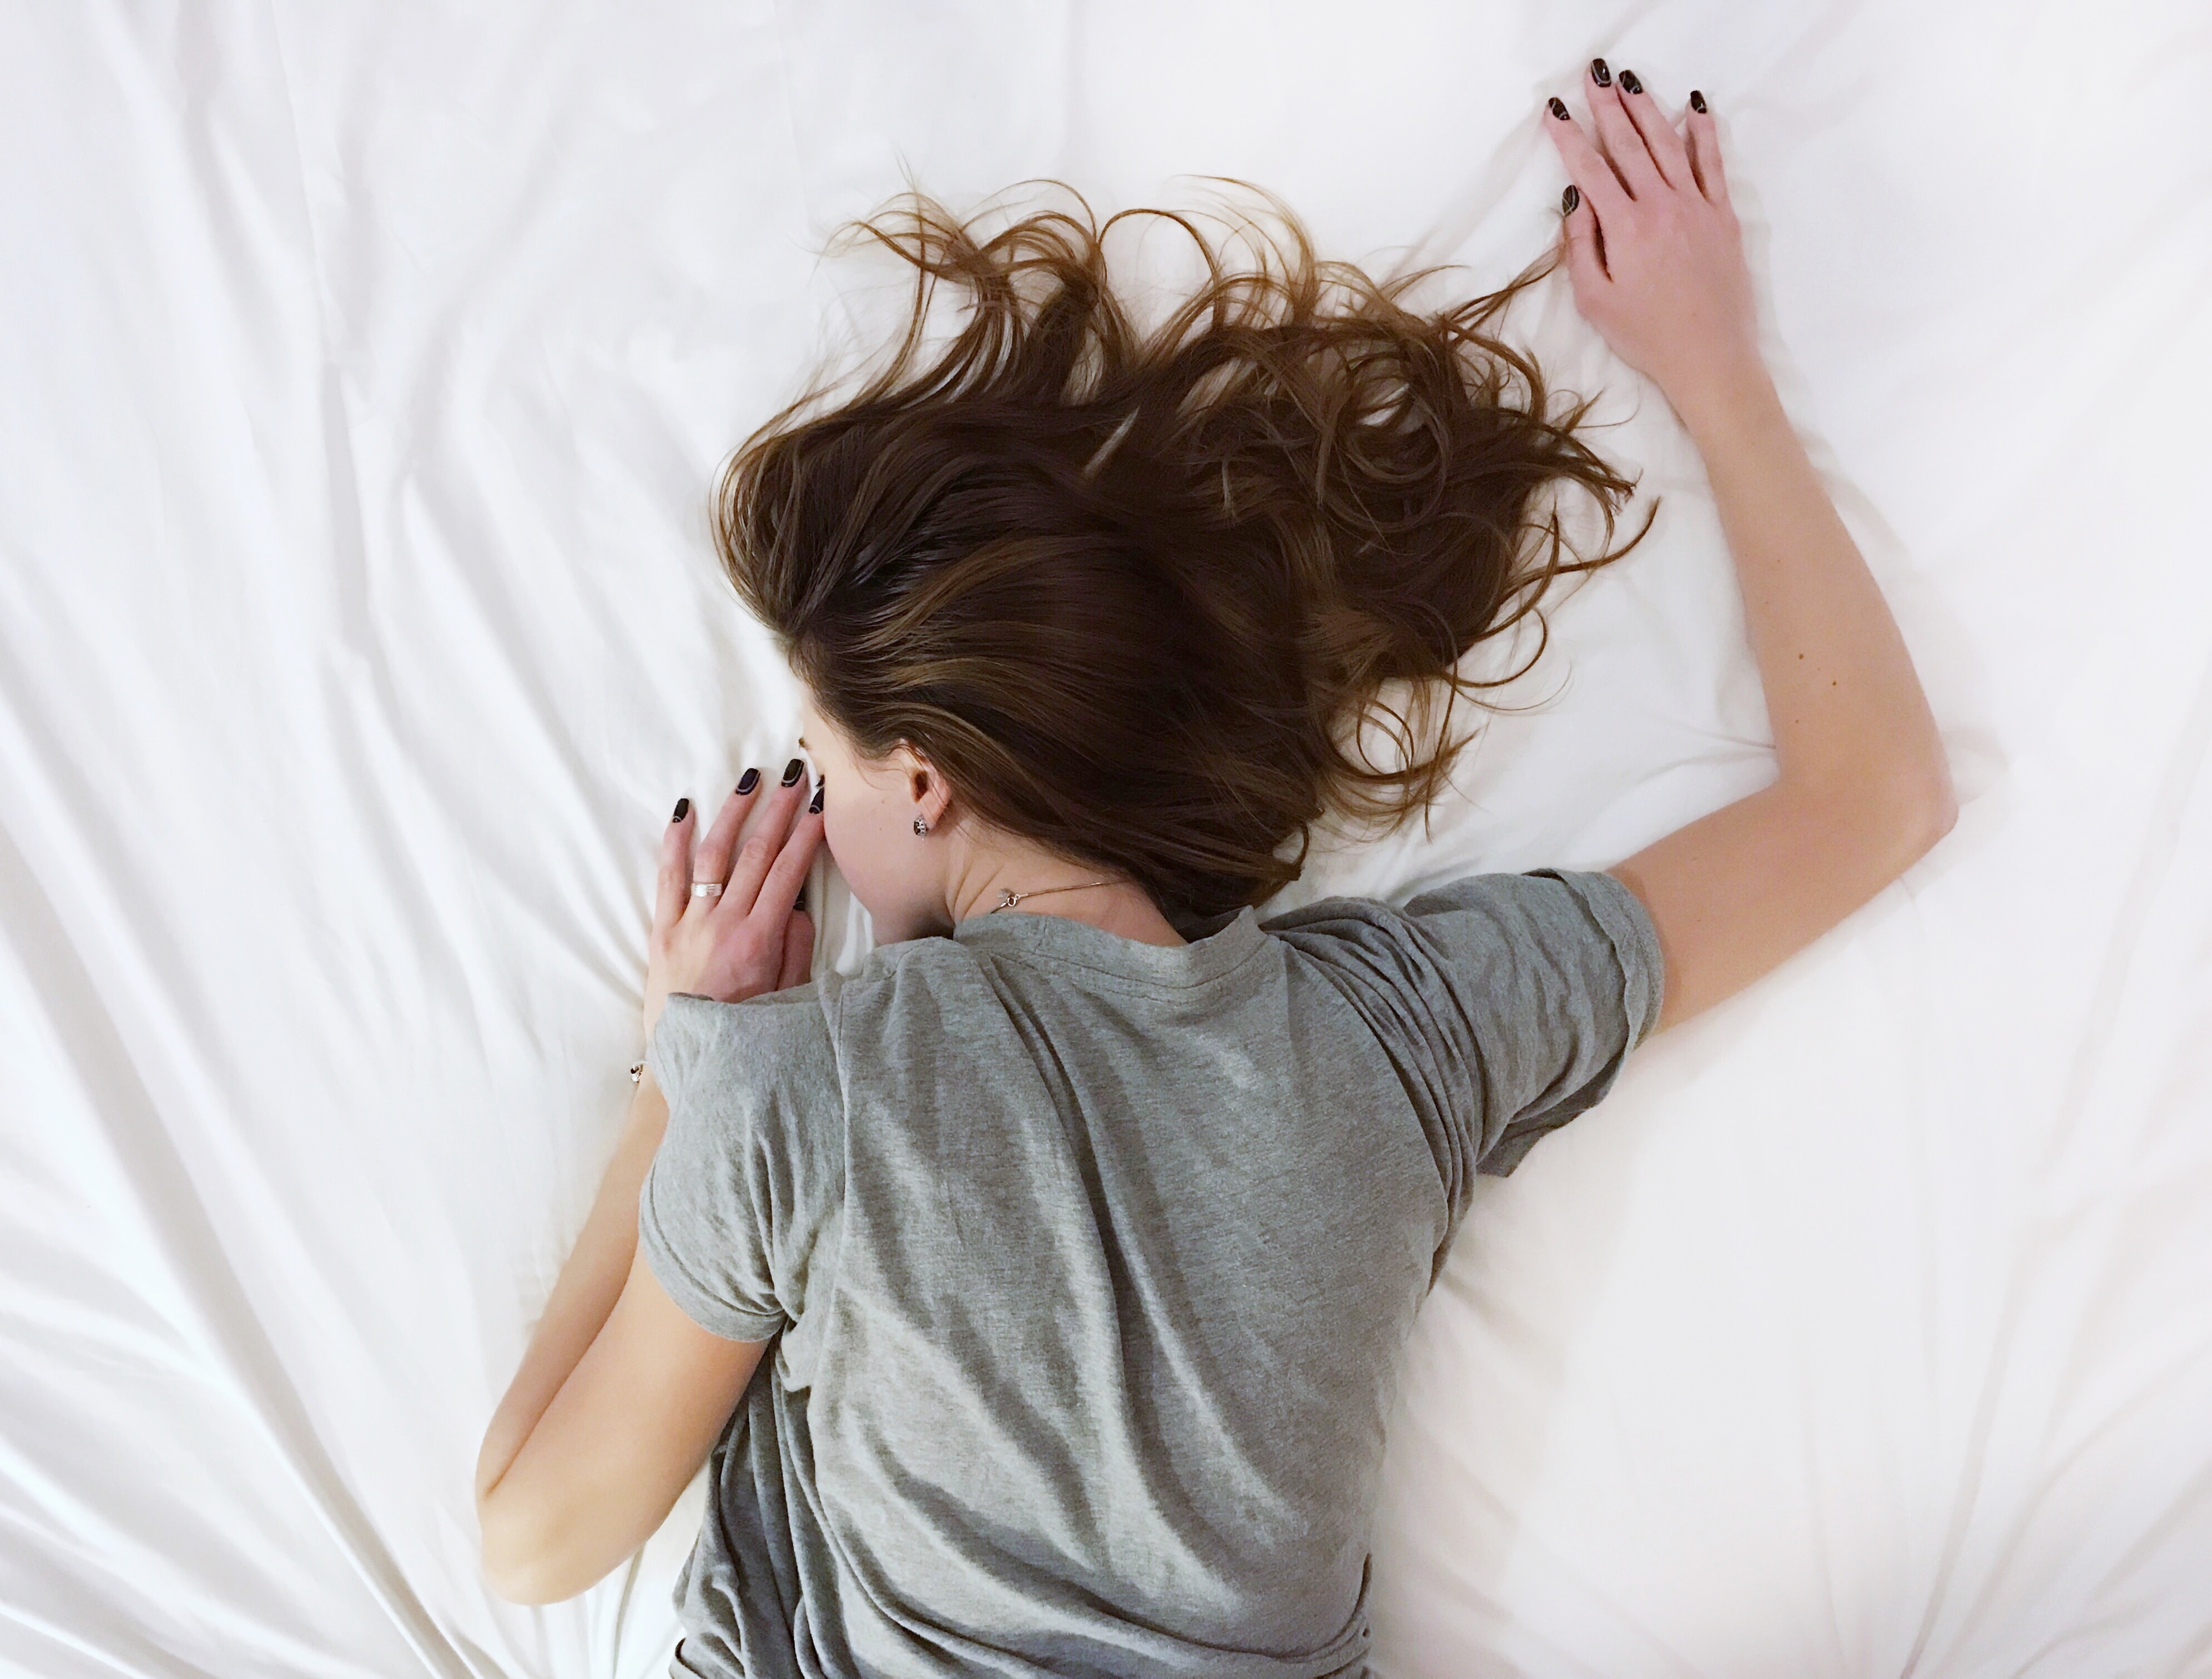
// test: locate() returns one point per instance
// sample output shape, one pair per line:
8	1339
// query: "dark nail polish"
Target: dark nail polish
815	803
1568	199
1559	109
1697	100
1629	84
793	770
683	807
1600	73
748	781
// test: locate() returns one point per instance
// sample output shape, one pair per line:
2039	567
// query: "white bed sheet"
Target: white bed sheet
365	367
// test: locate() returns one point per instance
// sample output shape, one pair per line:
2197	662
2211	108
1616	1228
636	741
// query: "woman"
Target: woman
1088	1219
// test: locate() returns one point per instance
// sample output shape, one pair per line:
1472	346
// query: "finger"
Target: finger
1586	166
797	951
1579	223
1705	149
712	863
1624	146
675	877
761	847
795	861
1660	140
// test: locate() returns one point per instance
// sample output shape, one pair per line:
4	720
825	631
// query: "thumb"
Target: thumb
672	880
1578	223
798	951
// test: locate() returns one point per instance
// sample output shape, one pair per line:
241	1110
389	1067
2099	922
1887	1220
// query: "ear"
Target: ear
925	785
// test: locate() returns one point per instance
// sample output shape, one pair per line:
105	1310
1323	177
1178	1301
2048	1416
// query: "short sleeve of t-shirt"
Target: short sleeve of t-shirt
1506	1002
751	1168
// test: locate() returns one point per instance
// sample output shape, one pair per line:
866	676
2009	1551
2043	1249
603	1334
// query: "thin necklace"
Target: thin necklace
1008	898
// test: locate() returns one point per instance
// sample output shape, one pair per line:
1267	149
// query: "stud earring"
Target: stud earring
920	826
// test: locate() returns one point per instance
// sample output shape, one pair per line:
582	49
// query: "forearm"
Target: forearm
1847	710
585	1292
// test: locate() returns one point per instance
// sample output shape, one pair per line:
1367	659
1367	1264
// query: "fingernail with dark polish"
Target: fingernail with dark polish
683	805
1568	199
1629	82
1697	100
793	770
1559	109
815	803
748	781
1600	73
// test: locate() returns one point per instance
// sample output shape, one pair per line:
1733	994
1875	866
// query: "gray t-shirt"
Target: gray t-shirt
1093	1263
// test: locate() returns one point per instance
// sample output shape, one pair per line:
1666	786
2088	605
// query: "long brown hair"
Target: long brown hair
1128	588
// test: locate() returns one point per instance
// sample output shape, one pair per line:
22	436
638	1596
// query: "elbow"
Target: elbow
521	1562
1924	807
1935	808
1944	816
1895	819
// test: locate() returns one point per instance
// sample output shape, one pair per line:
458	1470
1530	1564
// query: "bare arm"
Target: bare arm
618	1402
1864	789
621	1396
583	1296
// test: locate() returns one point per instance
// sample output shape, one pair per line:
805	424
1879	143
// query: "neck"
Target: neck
1121	907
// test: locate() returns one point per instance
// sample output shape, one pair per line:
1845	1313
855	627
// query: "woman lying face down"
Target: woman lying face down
1087	1220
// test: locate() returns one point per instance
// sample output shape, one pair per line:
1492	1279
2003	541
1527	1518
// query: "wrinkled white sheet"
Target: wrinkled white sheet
365	368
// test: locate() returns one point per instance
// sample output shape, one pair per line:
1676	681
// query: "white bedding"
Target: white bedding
365	369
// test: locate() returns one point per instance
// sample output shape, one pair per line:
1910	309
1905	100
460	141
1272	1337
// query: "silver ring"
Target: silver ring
706	889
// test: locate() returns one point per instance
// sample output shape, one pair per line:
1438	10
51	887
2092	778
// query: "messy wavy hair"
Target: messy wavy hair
1136	592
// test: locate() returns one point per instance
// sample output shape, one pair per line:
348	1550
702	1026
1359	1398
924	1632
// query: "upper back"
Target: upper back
1098	1258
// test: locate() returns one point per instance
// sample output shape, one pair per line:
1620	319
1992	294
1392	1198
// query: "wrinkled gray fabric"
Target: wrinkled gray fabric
1093	1263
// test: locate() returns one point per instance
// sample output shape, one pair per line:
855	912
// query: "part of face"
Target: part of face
867	823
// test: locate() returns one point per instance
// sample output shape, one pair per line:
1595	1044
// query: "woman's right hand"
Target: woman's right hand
1653	247
748	939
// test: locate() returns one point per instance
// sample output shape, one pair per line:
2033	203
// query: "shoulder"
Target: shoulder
703	1048
1551	914
1543	893
801	1032
1491	939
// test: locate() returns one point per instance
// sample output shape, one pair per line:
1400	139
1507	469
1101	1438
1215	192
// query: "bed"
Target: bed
366	369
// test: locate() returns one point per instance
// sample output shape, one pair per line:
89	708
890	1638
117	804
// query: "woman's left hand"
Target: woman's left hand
1654	248
749	938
